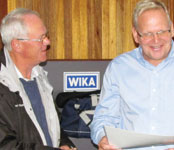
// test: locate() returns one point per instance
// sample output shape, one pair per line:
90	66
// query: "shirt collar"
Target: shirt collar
33	75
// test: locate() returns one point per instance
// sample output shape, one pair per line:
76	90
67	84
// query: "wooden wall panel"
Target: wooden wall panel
97	51
86	29
68	28
105	29
112	28
3	12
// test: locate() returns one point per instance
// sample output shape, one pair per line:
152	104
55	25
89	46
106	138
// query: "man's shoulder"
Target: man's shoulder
4	89
126	56
8	97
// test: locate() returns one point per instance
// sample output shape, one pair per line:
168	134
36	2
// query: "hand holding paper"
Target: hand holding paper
104	144
129	139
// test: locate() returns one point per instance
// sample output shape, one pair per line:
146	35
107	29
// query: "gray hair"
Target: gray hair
144	5
13	26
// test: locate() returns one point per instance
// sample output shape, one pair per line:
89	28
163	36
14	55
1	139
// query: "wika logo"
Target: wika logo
81	81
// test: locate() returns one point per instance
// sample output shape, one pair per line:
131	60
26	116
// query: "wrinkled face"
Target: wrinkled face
154	34
34	51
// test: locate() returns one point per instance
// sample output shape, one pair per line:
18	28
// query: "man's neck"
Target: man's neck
22	66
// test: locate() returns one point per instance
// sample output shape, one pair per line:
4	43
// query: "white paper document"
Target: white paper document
129	139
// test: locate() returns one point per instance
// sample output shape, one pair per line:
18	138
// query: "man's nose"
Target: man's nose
46	41
156	37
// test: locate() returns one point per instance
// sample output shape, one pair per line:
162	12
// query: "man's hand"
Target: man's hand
104	145
65	147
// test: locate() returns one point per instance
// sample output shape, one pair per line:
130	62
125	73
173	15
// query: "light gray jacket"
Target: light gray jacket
9	77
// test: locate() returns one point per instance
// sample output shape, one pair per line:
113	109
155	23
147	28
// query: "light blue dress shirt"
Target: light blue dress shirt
137	96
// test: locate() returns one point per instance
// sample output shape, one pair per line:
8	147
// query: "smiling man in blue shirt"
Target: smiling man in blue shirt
138	86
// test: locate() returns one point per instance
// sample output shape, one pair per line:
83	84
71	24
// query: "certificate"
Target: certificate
129	139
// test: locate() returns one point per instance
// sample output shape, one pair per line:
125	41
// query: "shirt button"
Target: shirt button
153	108
153	128
154	90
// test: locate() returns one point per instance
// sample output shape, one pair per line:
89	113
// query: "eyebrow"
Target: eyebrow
44	34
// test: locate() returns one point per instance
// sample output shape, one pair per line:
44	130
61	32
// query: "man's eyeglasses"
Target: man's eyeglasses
44	37
150	35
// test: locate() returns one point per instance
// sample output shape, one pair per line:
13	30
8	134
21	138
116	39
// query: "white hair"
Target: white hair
13	26
145	5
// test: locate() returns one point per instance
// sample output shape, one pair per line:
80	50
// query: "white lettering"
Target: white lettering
92	82
73	81
81	81
84	81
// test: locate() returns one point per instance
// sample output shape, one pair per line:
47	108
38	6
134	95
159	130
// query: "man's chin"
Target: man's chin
43	63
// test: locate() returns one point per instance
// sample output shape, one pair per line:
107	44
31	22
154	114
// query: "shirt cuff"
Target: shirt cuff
100	136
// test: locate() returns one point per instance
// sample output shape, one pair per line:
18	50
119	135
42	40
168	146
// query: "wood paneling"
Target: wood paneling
86	29
3	12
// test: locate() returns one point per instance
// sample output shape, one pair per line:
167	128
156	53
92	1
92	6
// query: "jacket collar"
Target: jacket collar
8	73
2	58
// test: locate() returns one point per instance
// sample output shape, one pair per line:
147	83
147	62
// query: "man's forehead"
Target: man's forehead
34	22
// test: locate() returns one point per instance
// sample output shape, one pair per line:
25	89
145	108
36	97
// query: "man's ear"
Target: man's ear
16	45
172	30
135	35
